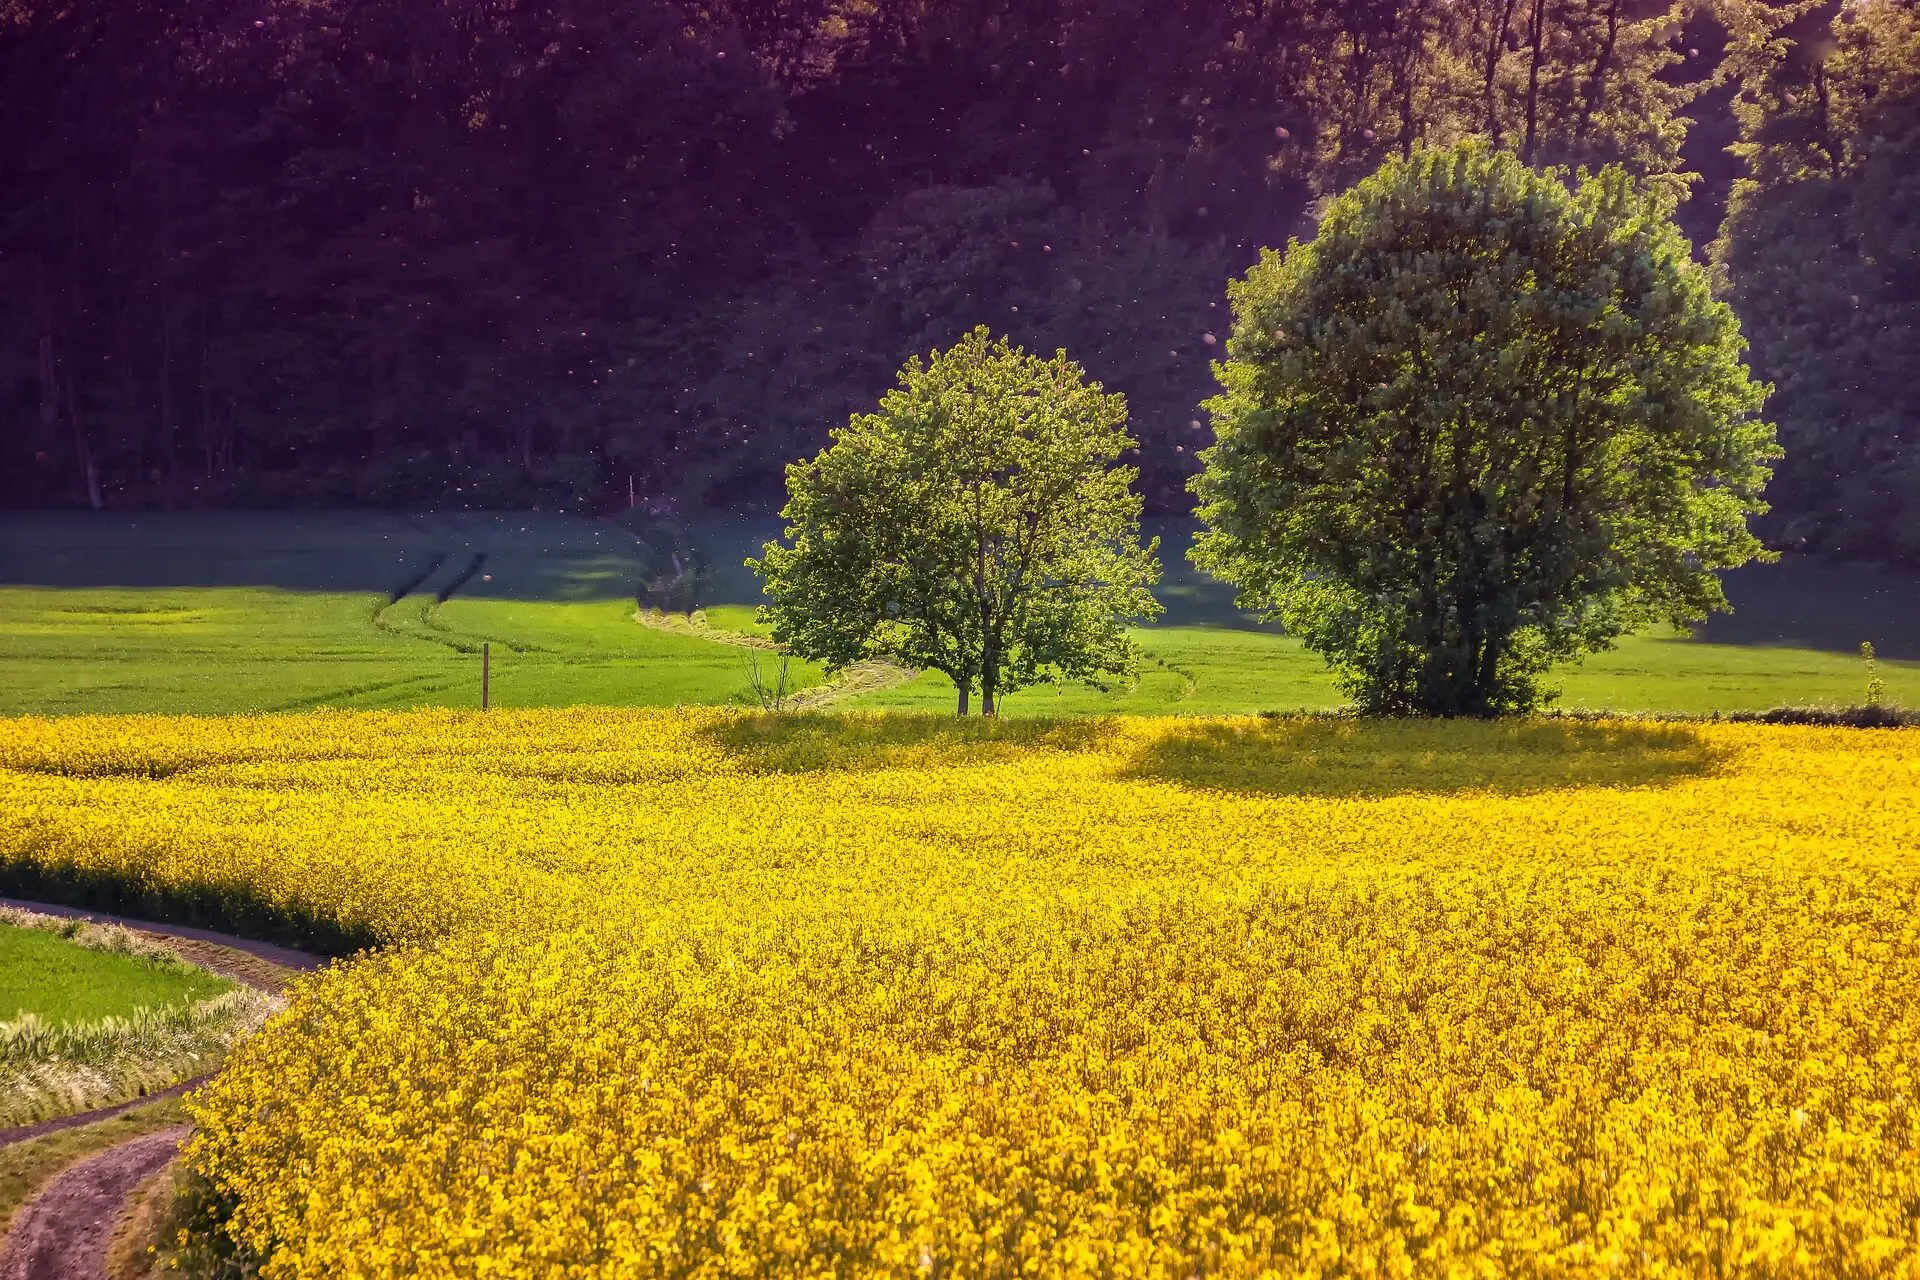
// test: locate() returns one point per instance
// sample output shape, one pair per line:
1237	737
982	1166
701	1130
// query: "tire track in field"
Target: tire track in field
396	617
306	702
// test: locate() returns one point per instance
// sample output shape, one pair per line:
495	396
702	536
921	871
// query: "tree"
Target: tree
1561	81
1482	423
346	251
1822	253
976	525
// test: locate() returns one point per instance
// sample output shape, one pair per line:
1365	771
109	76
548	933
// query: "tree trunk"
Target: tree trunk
1487	676
163	282
1408	126
49	393
965	687
88	468
228	429
169	426
206	393
1602	65
1495	43
1463	696
989	682
81	447
1823	97
1536	40
49	386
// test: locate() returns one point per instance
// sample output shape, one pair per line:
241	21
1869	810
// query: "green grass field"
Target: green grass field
1793	639
232	649
64	983
1205	671
240	612
235	612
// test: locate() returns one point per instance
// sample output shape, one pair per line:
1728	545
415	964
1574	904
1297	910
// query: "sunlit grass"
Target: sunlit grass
60	981
228	614
222	650
1221	671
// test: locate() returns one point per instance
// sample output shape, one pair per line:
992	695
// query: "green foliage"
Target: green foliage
1481	424
749	384
1558	81
1821	250
1876	687
343	251
975	525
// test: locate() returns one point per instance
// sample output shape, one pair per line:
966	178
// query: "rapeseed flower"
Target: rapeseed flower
704	994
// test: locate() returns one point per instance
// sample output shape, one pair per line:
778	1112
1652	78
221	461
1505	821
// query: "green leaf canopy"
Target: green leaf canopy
1483	422
975	525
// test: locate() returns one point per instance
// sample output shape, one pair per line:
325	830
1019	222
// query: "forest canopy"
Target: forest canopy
505	252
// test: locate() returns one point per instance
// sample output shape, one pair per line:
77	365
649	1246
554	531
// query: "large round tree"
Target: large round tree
1481	424
976	525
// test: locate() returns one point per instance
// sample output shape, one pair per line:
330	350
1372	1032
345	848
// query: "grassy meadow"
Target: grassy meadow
702	992
59	981
235	612
96	1014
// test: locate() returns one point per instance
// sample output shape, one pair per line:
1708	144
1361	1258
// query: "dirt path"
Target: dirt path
695	624
63	1233
41	1128
260	965
861	677
176	934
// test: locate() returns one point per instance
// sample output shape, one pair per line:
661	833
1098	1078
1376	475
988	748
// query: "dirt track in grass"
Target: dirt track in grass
63	1233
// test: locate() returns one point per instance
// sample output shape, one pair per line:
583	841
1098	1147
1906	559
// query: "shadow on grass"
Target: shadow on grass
866	741
485	554
1327	756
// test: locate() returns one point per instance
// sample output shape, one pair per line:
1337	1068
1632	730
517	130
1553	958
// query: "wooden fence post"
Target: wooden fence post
486	664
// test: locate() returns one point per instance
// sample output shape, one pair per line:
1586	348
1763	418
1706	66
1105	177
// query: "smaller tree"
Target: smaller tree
976	525
1481	424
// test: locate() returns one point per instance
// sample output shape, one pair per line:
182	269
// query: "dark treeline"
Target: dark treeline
312	252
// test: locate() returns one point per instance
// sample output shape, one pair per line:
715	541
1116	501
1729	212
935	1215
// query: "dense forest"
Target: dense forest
579	253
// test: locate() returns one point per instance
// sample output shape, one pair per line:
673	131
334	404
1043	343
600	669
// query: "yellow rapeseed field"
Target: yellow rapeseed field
702	994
